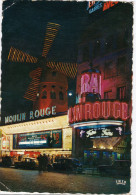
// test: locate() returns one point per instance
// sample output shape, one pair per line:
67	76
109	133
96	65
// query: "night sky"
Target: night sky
23	27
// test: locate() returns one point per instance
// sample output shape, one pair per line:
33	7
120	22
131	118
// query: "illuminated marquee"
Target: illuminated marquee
103	131
32	115
45	139
98	110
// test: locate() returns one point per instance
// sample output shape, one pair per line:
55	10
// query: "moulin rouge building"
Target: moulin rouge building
45	129
101	117
99	124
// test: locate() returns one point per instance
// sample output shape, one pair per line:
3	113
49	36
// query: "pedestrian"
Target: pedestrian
40	160
62	156
44	162
52	160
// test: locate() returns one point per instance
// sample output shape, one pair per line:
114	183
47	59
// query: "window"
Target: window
52	95
44	95
121	93
86	54
61	96
108	95
121	65
109	70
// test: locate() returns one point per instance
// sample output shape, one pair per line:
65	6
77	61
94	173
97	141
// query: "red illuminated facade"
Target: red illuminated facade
52	92
99	110
103	89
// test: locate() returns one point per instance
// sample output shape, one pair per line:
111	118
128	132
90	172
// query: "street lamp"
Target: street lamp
70	93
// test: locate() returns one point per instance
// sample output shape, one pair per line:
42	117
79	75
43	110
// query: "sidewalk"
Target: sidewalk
90	171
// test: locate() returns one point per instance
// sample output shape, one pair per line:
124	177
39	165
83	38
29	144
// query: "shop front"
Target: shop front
99	122
99	128
52	136
99	139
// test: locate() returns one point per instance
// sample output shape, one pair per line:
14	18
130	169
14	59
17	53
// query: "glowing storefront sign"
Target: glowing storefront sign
98	110
32	115
5	142
103	131
46	139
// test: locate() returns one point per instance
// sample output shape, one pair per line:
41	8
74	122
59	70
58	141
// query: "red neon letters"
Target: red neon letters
109	4
90	82
98	110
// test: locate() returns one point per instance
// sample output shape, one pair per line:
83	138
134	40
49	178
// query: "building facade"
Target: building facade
101	117
52	136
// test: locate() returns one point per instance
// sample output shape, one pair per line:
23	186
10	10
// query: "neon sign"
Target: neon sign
90	83
32	115
97	5
98	110
109	4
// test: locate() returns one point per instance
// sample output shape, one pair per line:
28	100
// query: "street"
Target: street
17	180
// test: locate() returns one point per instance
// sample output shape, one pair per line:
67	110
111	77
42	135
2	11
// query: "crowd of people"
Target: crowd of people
43	162
46	161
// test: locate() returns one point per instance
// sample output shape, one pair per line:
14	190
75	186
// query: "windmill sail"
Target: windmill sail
51	33
68	69
16	55
32	90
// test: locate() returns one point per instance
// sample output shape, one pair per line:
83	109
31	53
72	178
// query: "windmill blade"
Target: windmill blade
69	69
32	90
51	32
16	55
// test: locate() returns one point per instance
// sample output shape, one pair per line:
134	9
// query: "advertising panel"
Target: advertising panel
99	132
46	139
5	142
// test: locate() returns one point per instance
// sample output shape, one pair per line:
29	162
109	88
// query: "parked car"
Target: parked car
118	168
70	164
27	163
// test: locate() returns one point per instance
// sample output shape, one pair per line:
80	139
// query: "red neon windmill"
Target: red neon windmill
49	81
